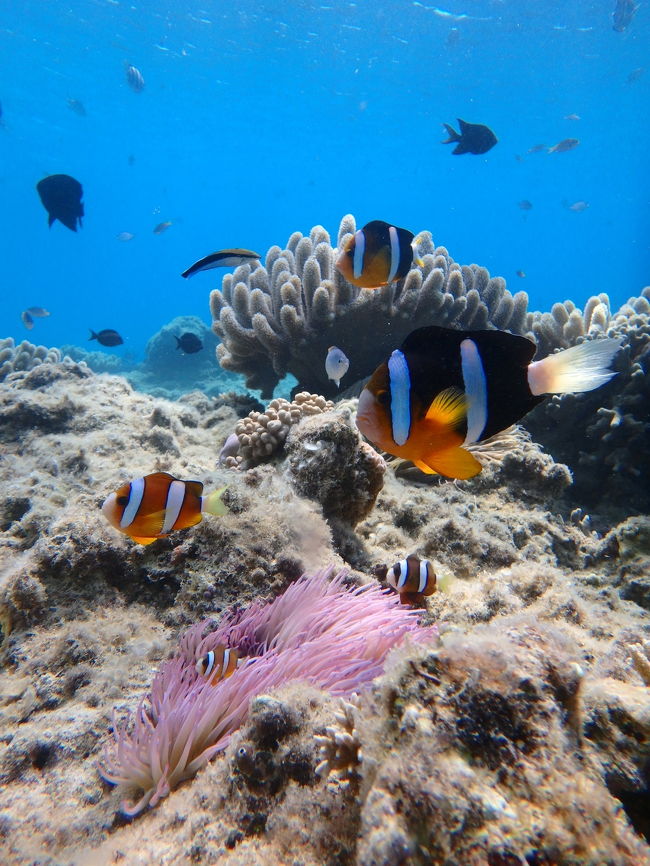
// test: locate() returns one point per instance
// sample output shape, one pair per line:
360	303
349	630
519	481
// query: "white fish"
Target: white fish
125	236
336	365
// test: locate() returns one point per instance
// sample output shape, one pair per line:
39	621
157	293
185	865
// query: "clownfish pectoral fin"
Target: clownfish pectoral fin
213	504
140	540
448	409
454	463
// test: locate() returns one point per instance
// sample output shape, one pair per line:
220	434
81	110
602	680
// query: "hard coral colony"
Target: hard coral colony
318	631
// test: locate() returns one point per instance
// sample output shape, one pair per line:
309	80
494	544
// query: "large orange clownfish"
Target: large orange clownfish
151	507
443	390
376	255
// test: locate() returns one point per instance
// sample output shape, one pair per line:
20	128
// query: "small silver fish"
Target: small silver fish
336	365
39	312
578	206
125	236
134	79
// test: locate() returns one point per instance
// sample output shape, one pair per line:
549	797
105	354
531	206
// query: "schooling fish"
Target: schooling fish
564	145
134	79
189	343
473	137
376	255
336	365
162	227
27	319
520	274
125	236
218	664
61	196
77	106
413	578
445	389
152	507
107	337
39	312
524	204
231	258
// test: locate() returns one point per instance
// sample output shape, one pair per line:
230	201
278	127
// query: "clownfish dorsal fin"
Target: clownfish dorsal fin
448	409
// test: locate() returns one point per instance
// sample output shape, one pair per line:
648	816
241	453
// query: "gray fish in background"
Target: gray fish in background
39	312
107	337
61	197
536	148
336	365
473	137
524	204
564	145
125	236
635	74
577	206
27	320
189	343
77	106
134	79
162	227
623	13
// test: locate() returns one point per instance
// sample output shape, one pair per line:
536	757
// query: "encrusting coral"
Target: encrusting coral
282	317
318	631
340	746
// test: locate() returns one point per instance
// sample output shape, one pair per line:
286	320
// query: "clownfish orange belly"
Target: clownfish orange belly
218	664
444	390
151	507
413	578
376	255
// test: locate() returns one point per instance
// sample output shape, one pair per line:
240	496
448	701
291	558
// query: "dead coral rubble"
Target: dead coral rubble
282	317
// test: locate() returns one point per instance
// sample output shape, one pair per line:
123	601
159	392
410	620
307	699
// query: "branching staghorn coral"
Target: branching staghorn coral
24	356
318	631
282	317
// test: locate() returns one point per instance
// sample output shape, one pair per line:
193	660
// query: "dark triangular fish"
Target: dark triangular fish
61	196
222	259
189	343
473	137
107	337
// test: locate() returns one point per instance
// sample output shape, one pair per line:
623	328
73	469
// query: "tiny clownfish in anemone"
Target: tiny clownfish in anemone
151	507
413	578
376	255
443	390
218	664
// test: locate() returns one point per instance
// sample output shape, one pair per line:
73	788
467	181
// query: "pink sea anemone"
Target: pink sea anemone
319	631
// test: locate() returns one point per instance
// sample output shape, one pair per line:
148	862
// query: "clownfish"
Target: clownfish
413	578
152	507
218	664
376	255
444	389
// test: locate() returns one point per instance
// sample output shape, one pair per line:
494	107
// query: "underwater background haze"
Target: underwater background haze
258	119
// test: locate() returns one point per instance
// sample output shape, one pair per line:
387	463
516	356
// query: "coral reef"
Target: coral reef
340	746
607	450
282	317
262	435
24	356
318	631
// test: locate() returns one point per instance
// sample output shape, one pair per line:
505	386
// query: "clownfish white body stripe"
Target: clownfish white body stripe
218	664
412	577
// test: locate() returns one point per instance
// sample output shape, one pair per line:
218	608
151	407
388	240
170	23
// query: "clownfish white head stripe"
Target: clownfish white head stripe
475	385
400	396
218	664
394	253
136	492
359	252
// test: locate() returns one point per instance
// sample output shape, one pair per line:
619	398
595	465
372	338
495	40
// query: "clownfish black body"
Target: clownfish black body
413	578
376	255
153	506
443	390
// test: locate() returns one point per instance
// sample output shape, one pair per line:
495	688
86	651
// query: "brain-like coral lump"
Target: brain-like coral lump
24	356
292	309
263	434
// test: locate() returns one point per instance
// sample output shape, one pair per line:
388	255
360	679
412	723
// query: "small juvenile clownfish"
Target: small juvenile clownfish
443	390
376	255
218	664
413	578
152	507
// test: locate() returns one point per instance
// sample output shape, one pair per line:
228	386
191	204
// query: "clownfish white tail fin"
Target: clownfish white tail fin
213	504
579	368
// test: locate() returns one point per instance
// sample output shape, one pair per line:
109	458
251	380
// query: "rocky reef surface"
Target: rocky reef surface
519	737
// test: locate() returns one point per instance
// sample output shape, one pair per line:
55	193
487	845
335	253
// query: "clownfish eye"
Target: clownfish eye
122	500
383	397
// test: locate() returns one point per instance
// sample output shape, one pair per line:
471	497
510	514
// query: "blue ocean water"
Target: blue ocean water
261	118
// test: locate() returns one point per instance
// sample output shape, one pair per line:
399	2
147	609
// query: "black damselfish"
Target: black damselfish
61	196
107	337
473	137
189	343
